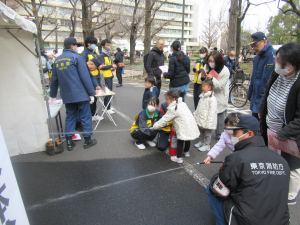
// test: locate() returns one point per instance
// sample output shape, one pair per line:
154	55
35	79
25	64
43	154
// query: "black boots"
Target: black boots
70	143
89	143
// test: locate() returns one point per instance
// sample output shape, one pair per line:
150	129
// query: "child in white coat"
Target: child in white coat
184	123
206	115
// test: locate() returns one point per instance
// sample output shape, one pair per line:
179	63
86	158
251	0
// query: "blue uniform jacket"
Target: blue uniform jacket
149	92
71	73
231	65
263	65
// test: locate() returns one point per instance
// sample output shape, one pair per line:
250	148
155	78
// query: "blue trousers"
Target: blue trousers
109	85
216	206
183	88
81	111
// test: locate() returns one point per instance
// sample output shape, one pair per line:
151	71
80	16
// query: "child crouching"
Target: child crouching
225	139
206	115
140	129
183	121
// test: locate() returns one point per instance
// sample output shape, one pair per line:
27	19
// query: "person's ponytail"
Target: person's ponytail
177	46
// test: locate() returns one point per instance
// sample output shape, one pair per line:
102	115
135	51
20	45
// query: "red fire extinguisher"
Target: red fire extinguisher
173	142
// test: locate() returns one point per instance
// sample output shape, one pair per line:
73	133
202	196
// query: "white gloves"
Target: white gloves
92	99
52	100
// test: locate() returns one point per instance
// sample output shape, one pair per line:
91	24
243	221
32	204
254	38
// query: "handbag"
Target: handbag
121	65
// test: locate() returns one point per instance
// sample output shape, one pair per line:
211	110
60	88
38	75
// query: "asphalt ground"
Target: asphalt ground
116	183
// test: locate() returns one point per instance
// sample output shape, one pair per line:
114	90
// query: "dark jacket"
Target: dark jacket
144	121
231	64
292	115
149	92
71	73
263	65
89	54
155	59
254	181
178	72
119	58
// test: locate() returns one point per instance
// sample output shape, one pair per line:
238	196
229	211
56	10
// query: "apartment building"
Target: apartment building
61	11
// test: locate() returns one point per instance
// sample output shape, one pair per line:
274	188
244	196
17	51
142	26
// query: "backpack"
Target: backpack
154	63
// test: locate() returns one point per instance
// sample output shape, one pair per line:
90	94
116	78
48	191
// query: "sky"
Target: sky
257	16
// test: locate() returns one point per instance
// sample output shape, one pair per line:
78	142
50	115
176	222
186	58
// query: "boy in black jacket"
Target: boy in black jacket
252	185
150	90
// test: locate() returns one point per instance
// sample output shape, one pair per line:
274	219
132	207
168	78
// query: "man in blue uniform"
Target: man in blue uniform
76	89
263	65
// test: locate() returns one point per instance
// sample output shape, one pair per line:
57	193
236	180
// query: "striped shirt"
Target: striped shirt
276	102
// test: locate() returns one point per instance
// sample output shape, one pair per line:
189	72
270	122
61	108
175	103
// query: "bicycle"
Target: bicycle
237	92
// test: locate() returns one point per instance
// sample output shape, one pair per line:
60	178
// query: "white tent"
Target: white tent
22	111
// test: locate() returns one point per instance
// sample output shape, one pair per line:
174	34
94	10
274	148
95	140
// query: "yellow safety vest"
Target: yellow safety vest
107	62
96	71
150	121
199	65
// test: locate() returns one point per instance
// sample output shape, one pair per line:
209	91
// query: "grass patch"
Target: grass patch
247	67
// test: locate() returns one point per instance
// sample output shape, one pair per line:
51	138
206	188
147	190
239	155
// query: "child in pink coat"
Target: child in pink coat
225	139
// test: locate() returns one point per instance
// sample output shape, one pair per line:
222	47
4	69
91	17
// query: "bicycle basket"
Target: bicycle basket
240	77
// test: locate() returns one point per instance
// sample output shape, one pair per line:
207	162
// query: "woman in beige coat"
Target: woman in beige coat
184	123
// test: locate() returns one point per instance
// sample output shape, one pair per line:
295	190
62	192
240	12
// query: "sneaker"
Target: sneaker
151	143
88	142
186	154
97	118
119	85
199	144
111	111
140	146
204	148
292	202
175	159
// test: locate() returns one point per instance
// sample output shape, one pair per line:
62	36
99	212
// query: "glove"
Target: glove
92	99
52	100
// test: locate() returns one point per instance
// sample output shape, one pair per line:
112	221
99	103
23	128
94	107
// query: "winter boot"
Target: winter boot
70	143
88	142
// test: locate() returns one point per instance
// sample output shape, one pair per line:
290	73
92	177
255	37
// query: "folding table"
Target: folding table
100	94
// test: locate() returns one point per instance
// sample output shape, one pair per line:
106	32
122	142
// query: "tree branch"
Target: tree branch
56	27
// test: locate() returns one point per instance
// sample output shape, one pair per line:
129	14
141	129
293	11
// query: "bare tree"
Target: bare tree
92	20
134	27
33	8
210	32
293	7
73	17
115	29
152	27
233	13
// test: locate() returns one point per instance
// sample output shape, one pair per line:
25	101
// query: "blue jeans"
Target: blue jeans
183	88
216	206
81	111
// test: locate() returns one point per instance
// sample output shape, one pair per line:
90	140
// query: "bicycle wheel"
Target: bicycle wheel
238	96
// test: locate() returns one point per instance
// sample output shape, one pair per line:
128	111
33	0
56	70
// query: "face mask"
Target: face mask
212	65
232	58
281	71
93	46
202	56
151	108
107	49
236	140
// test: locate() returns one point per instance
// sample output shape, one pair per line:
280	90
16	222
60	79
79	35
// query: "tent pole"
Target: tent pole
50	127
